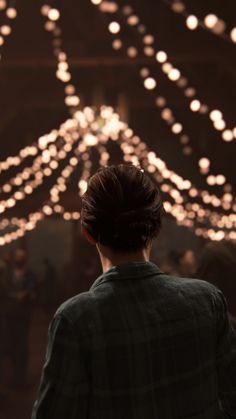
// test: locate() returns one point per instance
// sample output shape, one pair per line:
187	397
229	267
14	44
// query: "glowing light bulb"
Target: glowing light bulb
45	9
149	51
5	30
161	56
49	26
192	22
96	2
148	39
220	180
144	72
190	92
177	128
215	115
167	67
150	83
54	14
227	135
3	4
160	101
1	40
219	27
210	20
219	124
204	163
195	105
178	7
233	35
174	74
11	13
133	20
132	52
114	27
117	44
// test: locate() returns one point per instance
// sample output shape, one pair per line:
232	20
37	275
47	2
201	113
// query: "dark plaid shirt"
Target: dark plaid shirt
140	345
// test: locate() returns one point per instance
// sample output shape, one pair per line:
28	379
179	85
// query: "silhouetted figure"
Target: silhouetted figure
22	291
187	263
49	286
3	320
218	266
139	344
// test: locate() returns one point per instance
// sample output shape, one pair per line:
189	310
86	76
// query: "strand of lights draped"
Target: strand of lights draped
63	73
54	15
10	14
172	72
204	163
213	179
192	211
43	167
111	129
168	116
211	22
136	152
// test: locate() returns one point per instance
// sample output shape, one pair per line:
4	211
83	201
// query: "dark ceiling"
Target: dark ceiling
32	100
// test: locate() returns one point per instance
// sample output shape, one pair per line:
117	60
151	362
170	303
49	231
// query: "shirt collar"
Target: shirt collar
132	270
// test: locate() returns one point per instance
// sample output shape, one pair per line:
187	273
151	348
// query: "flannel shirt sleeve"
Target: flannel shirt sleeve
64	386
226	358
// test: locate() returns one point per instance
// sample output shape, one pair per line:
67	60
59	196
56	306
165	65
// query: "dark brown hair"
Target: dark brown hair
122	208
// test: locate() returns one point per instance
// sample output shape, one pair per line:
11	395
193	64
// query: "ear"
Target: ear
88	236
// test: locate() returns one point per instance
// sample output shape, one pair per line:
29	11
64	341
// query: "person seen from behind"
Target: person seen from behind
139	344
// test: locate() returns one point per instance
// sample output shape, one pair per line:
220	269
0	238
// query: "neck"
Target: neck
109	258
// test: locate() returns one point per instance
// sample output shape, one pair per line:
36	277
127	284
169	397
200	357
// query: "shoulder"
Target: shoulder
195	287
198	292
77	308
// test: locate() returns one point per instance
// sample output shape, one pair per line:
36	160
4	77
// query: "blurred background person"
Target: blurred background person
3	322
48	286
218	266
181	264
22	292
187	263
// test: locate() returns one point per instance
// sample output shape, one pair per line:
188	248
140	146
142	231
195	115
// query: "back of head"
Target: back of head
122	208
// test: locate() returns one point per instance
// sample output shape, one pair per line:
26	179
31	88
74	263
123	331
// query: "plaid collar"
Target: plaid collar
132	270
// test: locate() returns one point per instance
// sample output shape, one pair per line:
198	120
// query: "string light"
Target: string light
149	83
195	105
172	73
11	13
161	57
116	130
233	35
53	14
192	22
210	22
3	4
114	27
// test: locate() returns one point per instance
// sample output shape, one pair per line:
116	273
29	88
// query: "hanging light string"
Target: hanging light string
138	154
43	167
10	14
211	22
204	163
192	210
175	126
157	168
172	72
111	128
63	72
219	179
